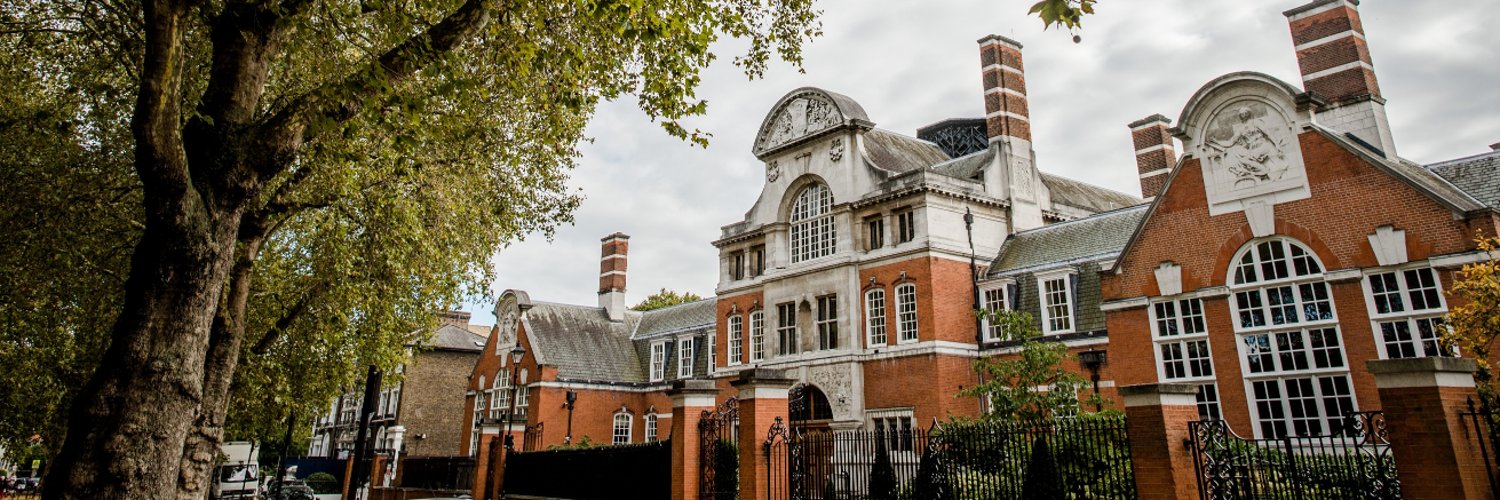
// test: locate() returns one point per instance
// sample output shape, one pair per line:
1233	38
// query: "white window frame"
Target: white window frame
1046	304
499	394
523	396
788	338
1292	341
685	347
1180	325
908	329
620	434
991	331
876	333
813	233
826	321
1411	318
735	345
900	420
658	361
651	423
757	335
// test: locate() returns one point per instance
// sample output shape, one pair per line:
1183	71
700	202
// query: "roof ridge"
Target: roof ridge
1099	215
1089	184
1465	159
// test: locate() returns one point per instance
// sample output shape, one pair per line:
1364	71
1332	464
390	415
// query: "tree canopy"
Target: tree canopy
266	195
1033	384
665	298
1474	324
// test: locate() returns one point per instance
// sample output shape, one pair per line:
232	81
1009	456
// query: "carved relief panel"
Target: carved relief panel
802	116
1249	151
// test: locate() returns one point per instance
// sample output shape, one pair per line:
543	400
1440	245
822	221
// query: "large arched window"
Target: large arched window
813	234
1293	357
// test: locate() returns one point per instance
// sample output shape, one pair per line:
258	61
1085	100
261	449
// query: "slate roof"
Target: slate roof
965	167
1087	196
1477	175
454	338
900	153
583	343
1415	175
1097	236
678	318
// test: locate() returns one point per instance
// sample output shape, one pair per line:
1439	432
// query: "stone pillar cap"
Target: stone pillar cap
762	376
692	386
1418	365
1161	388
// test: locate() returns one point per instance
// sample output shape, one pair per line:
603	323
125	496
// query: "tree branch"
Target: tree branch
285	131
285	321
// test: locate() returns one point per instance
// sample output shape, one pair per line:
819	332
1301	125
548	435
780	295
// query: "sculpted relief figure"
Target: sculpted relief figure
798	118
1248	146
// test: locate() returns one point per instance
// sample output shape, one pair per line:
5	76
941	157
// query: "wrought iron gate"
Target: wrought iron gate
1071	458
718	455
1351	462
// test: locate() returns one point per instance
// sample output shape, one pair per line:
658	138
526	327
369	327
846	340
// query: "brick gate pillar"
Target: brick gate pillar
762	397
1157	416
1437	453
690	398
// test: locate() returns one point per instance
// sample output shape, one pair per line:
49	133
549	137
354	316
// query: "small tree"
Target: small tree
665	298
1475	325
1033	385
1042	480
882	474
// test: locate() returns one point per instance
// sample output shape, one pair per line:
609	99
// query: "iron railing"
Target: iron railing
1481	423
532	439
1353	463
1083	457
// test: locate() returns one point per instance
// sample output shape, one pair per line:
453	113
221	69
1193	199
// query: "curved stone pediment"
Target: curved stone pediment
803	113
1243	127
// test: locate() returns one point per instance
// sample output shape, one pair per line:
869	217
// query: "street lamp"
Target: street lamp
516	353
572	398
1092	359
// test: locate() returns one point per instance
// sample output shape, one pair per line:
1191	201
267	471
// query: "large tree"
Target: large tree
303	178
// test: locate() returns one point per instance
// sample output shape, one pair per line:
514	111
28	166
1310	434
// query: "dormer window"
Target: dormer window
813	234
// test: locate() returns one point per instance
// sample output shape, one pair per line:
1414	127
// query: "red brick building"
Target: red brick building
1284	247
616	363
1289	243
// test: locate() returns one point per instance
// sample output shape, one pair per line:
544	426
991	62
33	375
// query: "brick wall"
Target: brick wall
1350	198
432	393
945	300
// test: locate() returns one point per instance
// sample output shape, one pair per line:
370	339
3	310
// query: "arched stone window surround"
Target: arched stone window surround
621	427
812	226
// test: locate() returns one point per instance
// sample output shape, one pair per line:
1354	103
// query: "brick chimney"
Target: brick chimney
1005	110
1012	175
456	318
612	275
1154	155
1335	63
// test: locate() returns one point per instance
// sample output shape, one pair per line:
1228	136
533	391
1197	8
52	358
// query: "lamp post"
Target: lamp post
572	398
516	353
1092	359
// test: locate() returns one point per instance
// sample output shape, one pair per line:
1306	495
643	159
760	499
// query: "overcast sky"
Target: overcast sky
915	63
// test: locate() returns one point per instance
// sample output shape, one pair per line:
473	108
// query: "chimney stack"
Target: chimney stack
1154	155
1005	109
1335	64
612	275
456	318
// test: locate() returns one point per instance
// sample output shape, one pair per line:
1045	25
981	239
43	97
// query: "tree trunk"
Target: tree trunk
127	428
201	448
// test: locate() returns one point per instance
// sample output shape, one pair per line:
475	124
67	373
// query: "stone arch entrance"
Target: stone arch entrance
807	407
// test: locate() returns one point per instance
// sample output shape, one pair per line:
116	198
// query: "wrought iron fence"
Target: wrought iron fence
1481	423
718	452
627	471
1075	458
1354	462
532	439
438	473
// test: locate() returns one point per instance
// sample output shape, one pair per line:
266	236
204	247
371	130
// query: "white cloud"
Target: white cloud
914	63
